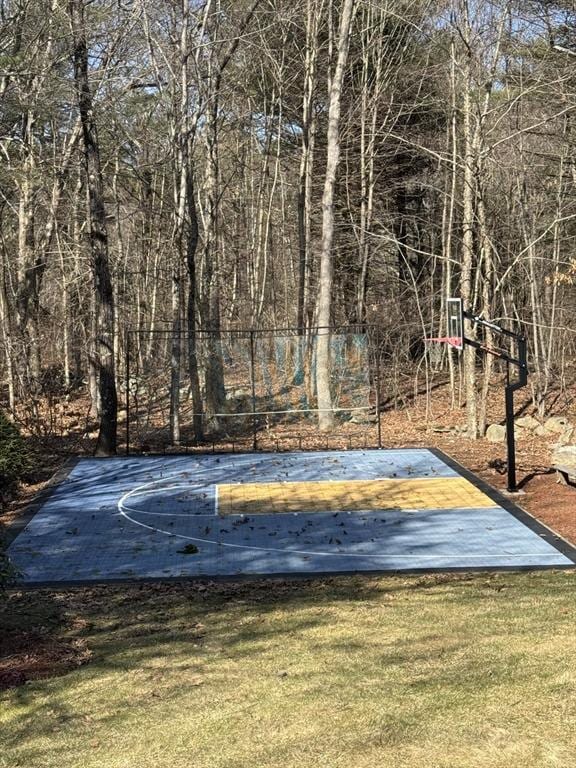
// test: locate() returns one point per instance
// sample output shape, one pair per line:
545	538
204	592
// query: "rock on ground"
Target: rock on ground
528	423
495	433
566	438
564	456
556	425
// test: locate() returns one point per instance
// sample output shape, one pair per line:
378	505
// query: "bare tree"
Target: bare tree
324	315
98	234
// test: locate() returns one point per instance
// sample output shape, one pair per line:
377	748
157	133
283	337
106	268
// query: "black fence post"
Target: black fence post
127	393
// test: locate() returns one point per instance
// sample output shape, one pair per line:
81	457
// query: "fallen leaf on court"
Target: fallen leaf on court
189	549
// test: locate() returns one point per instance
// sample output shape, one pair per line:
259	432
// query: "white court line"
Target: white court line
287	550
310	553
152	488
142	490
145	490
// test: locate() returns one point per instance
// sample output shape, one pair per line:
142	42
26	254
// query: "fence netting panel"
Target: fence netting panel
253	385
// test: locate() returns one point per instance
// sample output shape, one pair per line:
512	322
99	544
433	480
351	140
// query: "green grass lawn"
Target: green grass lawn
448	672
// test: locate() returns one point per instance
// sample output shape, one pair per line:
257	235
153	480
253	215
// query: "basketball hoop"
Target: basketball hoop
452	341
457	340
455	322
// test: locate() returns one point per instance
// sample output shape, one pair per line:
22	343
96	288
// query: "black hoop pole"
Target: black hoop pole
510	426
377	368
253	385
510	434
521	363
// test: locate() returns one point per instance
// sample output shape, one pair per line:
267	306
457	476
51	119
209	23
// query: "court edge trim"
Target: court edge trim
30	586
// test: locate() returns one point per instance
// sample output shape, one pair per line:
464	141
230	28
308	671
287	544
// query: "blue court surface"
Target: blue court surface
234	515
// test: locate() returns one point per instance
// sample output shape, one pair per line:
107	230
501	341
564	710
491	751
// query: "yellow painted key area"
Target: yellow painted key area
350	496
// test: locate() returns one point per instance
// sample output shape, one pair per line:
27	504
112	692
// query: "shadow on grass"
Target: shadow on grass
112	619
37	639
46	633
165	635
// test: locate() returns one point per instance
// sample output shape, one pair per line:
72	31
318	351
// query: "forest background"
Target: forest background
181	165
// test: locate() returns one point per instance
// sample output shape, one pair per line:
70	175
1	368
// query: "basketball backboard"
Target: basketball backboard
455	328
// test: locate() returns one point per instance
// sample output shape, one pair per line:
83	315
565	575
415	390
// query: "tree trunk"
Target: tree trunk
313	13
325	412
175	357
27	283
215	388
104	298
192	243
6	328
468	261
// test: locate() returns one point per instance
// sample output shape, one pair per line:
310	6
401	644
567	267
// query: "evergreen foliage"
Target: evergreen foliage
14	462
14	455
7	570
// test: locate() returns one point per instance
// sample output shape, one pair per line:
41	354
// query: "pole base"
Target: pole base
513	494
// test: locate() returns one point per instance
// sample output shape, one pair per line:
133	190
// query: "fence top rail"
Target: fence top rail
351	329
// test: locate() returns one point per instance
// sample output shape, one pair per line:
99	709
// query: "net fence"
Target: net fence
249	389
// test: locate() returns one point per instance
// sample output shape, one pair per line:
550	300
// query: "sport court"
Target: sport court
264	514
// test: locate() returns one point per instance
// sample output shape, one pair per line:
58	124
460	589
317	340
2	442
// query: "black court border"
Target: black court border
553	538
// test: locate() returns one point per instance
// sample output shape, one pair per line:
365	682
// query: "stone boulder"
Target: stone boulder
240	393
495	433
363	418
564	456
566	438
529	423
556	425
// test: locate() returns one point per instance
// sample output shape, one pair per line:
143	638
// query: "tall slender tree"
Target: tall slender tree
98	238
324	315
